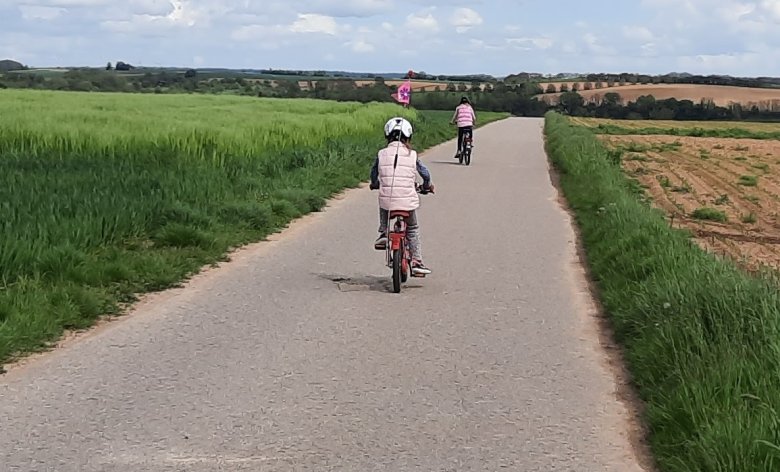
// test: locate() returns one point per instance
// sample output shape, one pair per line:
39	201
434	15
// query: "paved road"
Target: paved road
295	357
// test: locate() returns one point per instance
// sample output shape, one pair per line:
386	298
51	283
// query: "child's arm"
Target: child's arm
375	173
424	173
454	116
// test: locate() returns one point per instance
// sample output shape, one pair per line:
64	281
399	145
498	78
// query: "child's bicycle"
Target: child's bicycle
464	156
398	253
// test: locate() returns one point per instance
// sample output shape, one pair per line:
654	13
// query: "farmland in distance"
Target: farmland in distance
725	191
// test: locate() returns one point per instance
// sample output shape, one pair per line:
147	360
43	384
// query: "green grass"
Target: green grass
748	180
680	125
750	218
709	214
700	336
745	133
103	196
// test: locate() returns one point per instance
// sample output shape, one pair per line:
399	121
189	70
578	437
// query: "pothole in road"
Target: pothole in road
360	284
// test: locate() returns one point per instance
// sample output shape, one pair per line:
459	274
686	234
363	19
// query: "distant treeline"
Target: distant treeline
648	108
517	98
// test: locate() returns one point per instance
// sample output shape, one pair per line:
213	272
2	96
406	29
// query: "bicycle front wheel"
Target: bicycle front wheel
397	268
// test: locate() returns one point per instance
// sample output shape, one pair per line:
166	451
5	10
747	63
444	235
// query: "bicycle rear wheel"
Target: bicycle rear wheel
467	157
397	268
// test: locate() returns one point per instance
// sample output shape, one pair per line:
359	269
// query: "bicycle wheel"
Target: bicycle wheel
405	269
460	157
397	256
467	157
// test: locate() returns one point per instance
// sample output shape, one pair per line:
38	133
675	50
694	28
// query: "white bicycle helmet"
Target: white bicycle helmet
400	126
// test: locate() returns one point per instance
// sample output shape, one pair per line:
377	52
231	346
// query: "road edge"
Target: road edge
612	353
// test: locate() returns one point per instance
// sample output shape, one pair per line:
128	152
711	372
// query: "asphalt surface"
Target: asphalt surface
296	357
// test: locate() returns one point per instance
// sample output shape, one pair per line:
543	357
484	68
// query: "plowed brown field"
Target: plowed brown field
736	179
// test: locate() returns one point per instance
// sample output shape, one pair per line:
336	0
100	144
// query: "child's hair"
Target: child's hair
397	136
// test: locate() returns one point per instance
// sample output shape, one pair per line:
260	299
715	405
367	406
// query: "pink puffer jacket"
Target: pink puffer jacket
464	115
399	193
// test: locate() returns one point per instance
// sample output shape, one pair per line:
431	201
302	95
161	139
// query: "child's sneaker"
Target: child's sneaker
418	268
381	243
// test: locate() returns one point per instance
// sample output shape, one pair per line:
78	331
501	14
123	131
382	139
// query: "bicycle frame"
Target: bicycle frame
466	140
397	237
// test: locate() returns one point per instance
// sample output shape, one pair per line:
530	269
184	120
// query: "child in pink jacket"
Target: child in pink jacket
394	173
465	118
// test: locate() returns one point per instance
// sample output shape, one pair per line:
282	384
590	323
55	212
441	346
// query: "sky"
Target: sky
498	37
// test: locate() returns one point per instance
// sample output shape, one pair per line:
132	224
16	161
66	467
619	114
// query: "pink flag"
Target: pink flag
404	94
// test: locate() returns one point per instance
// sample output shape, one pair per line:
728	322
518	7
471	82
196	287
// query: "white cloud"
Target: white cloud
772	7
637	33
594	45
464	19
422	22
37	12
181	14
705	62
258	32
73	3
315	23
529	44
361	46
347	8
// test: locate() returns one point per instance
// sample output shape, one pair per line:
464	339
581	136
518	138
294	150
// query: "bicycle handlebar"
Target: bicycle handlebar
423	191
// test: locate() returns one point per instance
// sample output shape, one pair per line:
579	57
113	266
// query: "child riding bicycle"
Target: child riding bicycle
394	173
465	118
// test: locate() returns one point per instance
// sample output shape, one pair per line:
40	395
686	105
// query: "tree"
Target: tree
588	86
123	66
108	66
551	88
8	65
612	98
599	85
190	74
571	102
575	87
564	87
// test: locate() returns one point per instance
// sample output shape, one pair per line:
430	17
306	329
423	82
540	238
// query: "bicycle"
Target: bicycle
465	153
398	253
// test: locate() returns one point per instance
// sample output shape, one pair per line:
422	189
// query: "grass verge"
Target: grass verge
90	218
702	338
741	133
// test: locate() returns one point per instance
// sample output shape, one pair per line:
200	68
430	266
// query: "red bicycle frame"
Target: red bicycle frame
398	235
